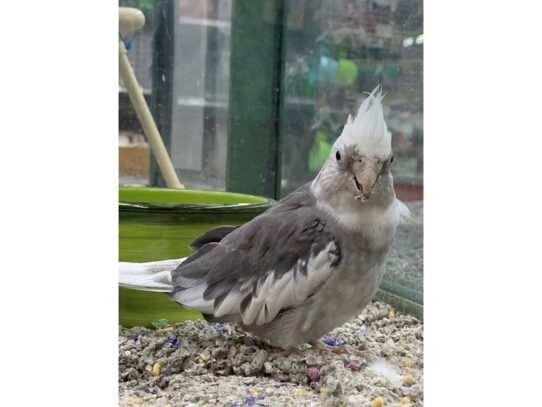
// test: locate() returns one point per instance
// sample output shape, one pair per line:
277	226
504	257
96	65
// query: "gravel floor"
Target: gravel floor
199	364
405	266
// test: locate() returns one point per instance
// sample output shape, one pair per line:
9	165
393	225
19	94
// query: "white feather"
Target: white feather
150	276
376	222
383	368
404	212
230	304
262	316
251	314
275	294
368	130
192	298
301	283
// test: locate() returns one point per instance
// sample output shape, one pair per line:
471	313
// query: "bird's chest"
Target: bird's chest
370	230
353	285
358	278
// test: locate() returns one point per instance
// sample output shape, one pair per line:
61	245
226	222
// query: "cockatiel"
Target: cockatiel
308	264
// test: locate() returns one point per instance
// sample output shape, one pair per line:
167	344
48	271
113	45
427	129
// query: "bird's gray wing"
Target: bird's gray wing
274	262
215	234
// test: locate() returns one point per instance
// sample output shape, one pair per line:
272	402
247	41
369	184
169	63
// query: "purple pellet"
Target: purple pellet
174	341
250	400
220	327
163	383
352	365
333	341
313	373
315	387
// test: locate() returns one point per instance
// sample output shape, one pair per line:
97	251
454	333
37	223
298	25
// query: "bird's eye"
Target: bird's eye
338	156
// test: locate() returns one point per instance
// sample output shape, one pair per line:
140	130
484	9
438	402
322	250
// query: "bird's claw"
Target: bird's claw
327	348
286	352
338	350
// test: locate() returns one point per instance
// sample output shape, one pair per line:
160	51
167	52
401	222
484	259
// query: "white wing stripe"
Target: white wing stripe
230	304
273	294
286	291
192	298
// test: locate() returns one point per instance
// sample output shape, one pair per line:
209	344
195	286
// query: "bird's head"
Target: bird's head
360	157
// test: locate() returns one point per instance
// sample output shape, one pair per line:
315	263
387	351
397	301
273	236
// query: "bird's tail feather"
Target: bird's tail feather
152	276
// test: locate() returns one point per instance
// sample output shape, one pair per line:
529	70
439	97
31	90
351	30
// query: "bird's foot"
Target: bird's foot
291	351
338	350
327	348
286	352
358	352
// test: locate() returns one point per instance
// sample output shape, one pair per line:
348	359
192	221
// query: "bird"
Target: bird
308	264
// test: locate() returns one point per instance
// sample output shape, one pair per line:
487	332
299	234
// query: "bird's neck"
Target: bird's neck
350	212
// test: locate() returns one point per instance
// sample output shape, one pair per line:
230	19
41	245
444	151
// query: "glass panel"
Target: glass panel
196	132
334	50
134	151
200	91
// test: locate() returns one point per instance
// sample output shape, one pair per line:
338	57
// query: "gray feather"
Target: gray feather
215	234
271	263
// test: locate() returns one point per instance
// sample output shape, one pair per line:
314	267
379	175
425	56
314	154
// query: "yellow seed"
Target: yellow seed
156	369
202	358
407	363
167	405
323	389
134	400
391	314
407	379
254	393
405	400
378	401
164	330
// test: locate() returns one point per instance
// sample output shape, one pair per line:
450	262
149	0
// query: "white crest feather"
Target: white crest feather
368	130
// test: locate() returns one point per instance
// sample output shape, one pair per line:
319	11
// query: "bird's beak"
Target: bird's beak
365	177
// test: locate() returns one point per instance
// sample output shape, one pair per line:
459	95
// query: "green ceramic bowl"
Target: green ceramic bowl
158	224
